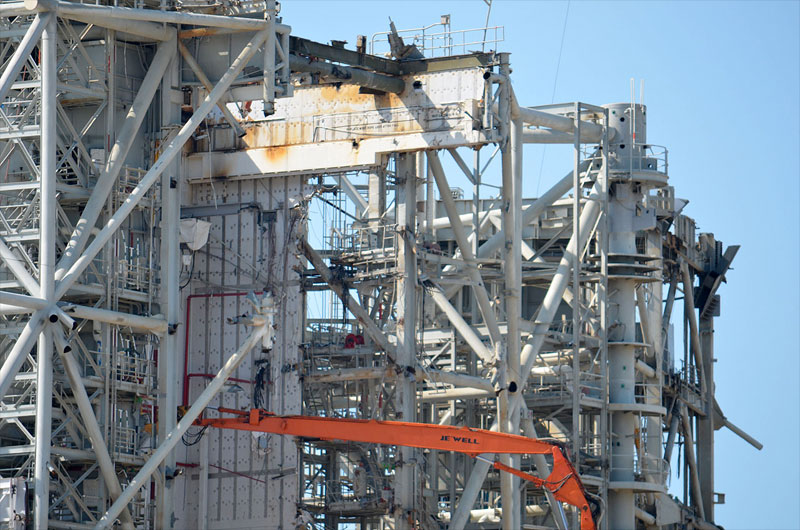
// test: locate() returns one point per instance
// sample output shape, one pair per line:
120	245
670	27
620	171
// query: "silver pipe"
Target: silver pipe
102	13
47	263
169	296
172	150
478	286
174	436
13	9
548	136
554	121
450	394
116	157
690	458
21	300
405	332
460	325
532	212
644	322
645	517
73	371
514	303
348	374
529	352
688	304
746	437
511	257
457	380
156	326
673	430
645	369
352	192
58	314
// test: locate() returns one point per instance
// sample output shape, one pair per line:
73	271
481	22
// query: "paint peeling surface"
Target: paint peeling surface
336	127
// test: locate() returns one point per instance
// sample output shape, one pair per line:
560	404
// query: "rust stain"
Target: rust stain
273	155
331	92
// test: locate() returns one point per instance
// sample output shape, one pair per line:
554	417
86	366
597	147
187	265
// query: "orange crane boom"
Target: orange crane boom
563	481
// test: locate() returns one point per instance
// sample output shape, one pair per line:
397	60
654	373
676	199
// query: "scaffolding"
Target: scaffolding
199	210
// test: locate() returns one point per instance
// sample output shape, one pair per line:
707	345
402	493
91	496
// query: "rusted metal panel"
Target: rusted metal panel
339	128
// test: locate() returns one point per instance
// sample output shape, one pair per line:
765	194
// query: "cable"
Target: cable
190	439
237	473
553	96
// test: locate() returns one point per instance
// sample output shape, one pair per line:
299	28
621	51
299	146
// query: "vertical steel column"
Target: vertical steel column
405	509
694	334
576	296
653	390
476	201
376	190
602	298
104	201
47	262
531	349
514	316
430	204
705	425
511	261
269	58
169	382
691	460
621	330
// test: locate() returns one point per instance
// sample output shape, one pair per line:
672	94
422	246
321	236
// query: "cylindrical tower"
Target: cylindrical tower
625	196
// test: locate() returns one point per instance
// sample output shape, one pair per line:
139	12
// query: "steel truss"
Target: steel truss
121	130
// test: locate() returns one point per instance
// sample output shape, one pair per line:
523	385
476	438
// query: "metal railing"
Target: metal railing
643	466
638	157
439	43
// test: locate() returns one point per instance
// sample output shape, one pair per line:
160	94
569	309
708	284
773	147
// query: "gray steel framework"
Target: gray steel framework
160	162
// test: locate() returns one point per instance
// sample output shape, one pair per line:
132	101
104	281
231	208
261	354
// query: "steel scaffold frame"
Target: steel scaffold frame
95	307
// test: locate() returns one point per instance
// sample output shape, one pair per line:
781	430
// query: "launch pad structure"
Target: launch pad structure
200	210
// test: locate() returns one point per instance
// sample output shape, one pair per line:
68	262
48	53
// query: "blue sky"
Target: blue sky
722	89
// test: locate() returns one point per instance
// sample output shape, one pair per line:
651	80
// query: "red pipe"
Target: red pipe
186	374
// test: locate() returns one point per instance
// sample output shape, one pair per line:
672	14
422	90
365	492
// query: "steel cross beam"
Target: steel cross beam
170	152
531	349
44	292
466	250
261	333
116	158
47	262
